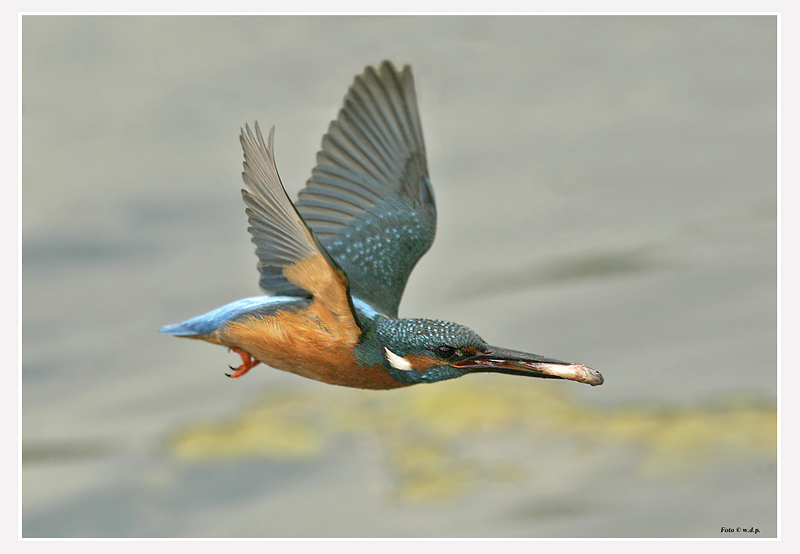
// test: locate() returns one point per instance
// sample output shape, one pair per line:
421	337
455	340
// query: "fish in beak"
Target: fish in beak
513	362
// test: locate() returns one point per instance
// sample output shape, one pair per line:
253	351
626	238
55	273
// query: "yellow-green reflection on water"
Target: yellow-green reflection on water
435	439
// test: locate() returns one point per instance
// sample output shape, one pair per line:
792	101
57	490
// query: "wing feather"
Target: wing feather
290	259
369	200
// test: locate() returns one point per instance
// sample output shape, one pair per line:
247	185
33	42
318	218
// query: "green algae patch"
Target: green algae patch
280	428
436	442
427	471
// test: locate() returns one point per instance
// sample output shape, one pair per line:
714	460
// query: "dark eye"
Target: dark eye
445	351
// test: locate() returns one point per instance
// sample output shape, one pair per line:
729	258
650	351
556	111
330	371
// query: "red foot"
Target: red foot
248	363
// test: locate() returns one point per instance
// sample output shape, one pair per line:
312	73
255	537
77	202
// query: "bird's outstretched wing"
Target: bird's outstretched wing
290	259
369	200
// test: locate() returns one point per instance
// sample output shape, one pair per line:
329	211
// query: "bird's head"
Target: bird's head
431	350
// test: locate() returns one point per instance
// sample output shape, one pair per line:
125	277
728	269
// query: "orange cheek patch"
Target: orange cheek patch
421	363
468	351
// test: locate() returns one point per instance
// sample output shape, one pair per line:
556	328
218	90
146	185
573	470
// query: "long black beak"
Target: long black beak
513	362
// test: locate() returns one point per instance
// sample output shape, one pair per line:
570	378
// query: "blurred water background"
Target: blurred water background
607	194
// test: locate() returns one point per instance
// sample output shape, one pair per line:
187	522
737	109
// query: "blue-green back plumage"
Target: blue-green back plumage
209	322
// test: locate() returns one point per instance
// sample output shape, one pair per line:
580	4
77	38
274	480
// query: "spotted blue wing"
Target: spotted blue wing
369	200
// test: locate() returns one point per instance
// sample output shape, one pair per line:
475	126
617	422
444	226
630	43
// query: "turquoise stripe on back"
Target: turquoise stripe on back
209	322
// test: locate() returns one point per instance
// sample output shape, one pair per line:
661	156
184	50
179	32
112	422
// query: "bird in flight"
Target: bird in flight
335	263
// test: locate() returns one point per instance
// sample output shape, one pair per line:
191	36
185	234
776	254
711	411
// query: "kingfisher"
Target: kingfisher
334	264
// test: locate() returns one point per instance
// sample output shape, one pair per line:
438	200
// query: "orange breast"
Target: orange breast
311	343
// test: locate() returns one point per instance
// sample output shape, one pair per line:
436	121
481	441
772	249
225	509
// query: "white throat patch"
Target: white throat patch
397	362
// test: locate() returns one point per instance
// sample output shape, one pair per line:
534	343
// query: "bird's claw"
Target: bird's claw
248	363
